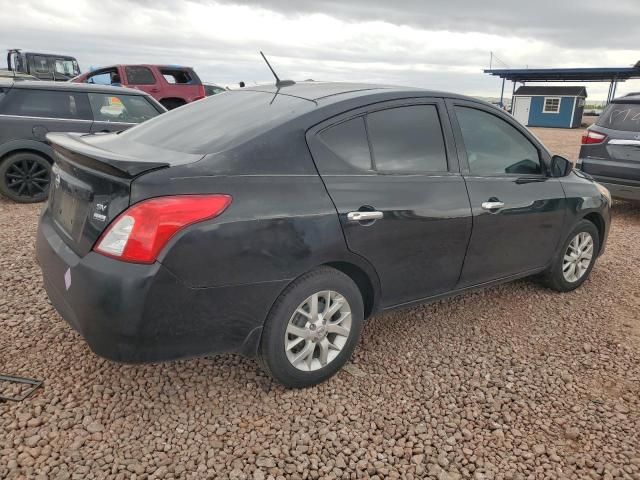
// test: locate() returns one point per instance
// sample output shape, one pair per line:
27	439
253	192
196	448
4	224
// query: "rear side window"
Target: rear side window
494	147
45	103
137	75
180	76
121	108
621	116
40	64
348	140
407	139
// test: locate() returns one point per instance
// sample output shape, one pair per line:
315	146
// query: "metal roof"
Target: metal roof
566	74
552	90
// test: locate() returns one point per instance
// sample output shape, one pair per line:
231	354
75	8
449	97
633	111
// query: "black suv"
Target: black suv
272	221
31	109
610	150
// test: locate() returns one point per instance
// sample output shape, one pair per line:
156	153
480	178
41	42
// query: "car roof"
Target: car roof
330	92
632	98
151	65
68	86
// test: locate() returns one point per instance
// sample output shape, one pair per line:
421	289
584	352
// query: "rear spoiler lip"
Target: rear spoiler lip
72	147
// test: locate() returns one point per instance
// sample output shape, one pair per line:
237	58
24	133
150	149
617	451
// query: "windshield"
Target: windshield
218	123
67	67
621	116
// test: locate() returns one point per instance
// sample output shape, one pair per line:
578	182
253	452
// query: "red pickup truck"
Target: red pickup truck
171	85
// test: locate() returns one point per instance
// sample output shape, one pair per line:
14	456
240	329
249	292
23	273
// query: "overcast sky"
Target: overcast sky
440	45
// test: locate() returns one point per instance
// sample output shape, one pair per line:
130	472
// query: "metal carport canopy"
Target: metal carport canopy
606	74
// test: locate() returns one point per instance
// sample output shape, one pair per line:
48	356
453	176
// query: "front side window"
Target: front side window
495	147
45	103
407	139
121	108
137	75
68	68
348	140
551	105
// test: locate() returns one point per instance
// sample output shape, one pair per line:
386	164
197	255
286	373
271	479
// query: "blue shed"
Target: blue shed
549	106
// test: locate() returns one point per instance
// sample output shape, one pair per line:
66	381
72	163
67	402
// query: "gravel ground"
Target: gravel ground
512	382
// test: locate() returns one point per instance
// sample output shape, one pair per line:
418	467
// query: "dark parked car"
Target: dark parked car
610	150
276	228
212	89
172	85
44	66
31	109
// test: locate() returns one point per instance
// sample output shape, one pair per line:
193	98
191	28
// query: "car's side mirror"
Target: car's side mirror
560	166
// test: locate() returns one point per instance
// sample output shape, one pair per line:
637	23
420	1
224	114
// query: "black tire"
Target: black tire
171	103
554	277
25	177
273	356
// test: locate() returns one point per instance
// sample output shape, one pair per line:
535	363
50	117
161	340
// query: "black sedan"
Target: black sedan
273	221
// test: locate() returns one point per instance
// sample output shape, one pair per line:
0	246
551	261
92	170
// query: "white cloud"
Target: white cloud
221	40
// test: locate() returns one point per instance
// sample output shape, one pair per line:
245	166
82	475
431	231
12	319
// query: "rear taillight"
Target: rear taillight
139	233
589	137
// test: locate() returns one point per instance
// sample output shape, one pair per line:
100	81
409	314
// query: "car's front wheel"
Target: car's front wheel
24	177
312	328
576	258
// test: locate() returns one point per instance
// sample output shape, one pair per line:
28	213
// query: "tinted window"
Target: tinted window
139	76
218	122
407	139
621	116
495	147
348	140
40	64
121	108
45	103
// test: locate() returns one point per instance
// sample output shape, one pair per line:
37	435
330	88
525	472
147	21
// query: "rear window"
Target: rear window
621	116
45	103
180	76
217	123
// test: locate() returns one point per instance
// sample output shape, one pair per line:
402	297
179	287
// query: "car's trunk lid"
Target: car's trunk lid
91	182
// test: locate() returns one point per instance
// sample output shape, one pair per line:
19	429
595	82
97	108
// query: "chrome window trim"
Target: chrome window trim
47	118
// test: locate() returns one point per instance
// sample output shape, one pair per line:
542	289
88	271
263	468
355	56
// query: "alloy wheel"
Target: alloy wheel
578	257
27	177
318	330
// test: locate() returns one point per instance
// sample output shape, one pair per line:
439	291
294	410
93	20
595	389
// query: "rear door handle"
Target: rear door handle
492	205
364	216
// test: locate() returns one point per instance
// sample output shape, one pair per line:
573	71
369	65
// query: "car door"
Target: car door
518	209
142	78
392	173
33	112
114	112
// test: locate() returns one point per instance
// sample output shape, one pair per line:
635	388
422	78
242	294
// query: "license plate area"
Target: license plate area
69	202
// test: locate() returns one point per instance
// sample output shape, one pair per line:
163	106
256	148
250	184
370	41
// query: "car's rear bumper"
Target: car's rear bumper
143	313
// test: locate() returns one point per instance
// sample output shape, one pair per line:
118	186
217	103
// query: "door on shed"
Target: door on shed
394	163
521	108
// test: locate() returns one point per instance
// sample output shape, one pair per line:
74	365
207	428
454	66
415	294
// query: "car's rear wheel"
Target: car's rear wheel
25	177
312	328
576	258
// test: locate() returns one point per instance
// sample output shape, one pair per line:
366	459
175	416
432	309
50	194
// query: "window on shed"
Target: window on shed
348	140
551	105
407	139
137	75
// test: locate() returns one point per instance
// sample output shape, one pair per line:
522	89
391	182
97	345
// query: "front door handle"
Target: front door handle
492	205
364	216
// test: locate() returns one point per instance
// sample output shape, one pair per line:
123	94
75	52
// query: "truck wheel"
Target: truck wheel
25	177
171	103
312	328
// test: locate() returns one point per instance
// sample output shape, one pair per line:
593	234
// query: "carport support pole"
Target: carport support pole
609	94
502	93
615	87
